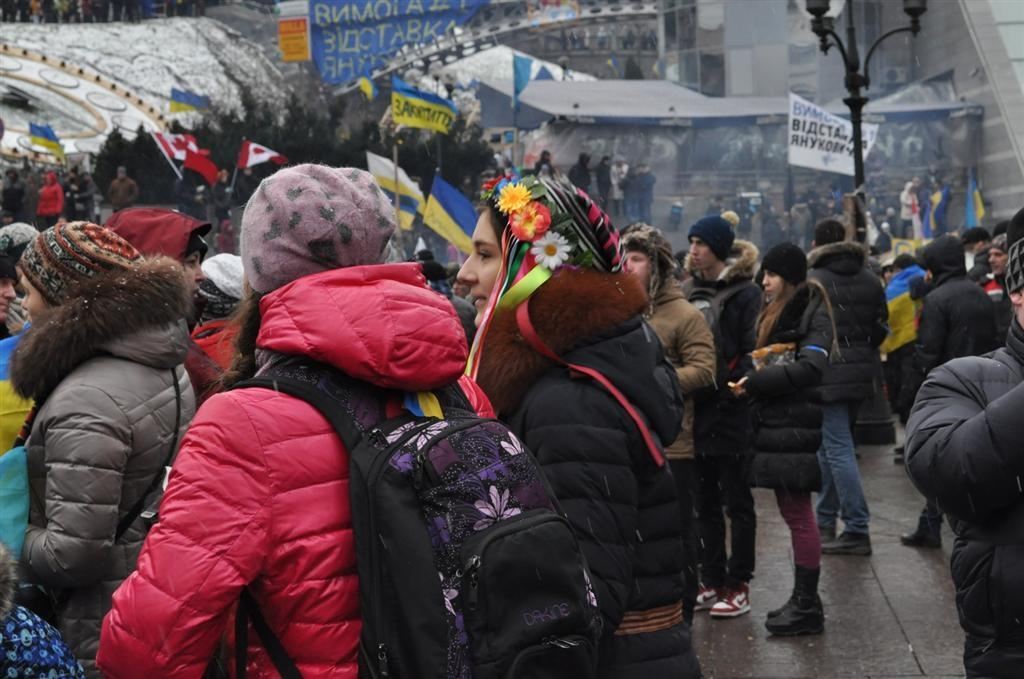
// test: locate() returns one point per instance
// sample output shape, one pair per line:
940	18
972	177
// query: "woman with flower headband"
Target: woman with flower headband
565	357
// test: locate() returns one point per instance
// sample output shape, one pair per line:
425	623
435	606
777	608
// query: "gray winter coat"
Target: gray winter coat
101	368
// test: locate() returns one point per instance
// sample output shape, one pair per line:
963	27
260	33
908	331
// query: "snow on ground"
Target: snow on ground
151	57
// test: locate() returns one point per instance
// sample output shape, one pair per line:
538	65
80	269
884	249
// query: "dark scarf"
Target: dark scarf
217	303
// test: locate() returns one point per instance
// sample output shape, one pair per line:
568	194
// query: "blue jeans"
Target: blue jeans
841	491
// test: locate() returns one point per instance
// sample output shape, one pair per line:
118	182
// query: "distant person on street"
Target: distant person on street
619	172
964	443
123	191
994	285
976	242
51	202
904	309
858	302
640	194
13	197
957	320
579	174
544	167
910	209
603	174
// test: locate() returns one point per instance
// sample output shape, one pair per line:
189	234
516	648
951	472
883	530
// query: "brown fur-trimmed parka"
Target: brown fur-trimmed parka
102	369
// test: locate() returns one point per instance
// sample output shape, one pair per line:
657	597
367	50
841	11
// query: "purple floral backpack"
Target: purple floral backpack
467	569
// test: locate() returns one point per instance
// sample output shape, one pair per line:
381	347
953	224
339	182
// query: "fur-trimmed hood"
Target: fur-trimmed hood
845	257
569	309
741	264
8	580
136	314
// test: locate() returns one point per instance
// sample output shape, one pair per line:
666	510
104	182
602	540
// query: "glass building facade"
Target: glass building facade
725	48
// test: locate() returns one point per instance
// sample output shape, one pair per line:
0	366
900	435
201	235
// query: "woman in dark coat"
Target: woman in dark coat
567	361
795	335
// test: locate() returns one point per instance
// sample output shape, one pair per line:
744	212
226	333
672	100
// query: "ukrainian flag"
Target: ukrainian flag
413	108
43	135
937	214
903	310
13	408
410	197
450	215
975	206
613	62
368	88
183	100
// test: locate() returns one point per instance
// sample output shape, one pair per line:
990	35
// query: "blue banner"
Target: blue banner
352	38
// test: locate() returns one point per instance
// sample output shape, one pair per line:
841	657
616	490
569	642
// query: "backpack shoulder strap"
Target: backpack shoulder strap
325	405
249	610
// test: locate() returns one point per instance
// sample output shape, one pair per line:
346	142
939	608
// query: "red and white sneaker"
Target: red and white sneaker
707	597
735	603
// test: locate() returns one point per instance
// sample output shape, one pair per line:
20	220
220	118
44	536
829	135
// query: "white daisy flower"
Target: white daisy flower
551	250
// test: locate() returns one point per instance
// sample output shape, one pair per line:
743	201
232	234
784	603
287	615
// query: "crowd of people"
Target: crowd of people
94	11
44	197
625	192
538	465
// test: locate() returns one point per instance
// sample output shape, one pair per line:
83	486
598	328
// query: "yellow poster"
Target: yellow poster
293	39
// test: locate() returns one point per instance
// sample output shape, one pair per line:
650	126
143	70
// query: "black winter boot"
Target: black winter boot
803	613
928	534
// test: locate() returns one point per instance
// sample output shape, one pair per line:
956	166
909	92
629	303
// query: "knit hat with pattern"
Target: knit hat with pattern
14	238
311	218
64	256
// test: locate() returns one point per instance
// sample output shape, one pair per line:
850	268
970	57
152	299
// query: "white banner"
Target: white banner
823	141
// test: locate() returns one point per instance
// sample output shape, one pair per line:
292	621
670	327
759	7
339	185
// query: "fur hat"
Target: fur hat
311	218
66	255
716	232
788	261
645	238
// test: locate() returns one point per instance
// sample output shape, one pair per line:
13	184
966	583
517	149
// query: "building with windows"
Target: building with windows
968	50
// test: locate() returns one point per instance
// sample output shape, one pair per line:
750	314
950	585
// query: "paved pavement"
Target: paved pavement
888	615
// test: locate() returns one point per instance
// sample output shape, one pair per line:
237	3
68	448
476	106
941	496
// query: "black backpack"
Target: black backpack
710	302
466	567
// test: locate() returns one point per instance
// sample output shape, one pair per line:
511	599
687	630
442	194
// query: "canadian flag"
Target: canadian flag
175	146
254	154
200	162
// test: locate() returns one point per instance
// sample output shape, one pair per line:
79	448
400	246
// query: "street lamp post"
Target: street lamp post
856	80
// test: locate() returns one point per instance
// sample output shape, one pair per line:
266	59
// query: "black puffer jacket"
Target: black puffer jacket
861	313
964	443
787	422
622	505
722	423
957	318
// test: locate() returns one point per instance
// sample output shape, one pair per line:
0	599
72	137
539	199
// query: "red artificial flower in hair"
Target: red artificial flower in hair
530	223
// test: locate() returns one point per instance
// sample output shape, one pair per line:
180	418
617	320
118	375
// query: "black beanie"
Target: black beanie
7	268
716	232
788	261
1015	250
196	244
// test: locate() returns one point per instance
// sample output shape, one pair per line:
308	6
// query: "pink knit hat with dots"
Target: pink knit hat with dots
312	218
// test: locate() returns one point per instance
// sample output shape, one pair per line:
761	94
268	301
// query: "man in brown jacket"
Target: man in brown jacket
123	190
690	347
